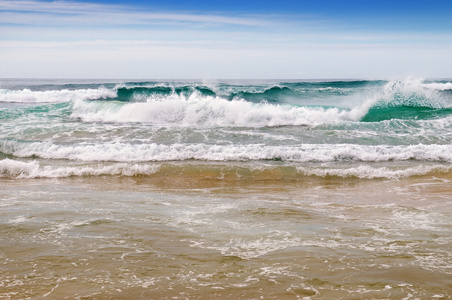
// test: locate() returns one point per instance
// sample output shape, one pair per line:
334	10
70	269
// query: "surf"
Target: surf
191	170
409	99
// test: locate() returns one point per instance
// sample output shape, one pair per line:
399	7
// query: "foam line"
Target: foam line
127	152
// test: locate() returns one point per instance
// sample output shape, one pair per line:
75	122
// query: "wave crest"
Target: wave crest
206	111
54	96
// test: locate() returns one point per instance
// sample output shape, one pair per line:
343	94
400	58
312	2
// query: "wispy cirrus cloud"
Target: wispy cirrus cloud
68	12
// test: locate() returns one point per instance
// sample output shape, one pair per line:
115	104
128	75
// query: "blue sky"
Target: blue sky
225	39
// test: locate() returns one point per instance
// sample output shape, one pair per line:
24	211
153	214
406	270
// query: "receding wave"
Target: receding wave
15	169
33	169
369	172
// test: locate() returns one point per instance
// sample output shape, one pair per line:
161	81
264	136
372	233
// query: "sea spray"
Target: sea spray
206	111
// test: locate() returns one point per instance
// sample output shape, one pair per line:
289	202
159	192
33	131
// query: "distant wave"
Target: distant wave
52	96
143	91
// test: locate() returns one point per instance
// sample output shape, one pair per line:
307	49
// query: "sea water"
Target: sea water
225	189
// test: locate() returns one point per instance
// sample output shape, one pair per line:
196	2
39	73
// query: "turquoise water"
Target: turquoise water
237	189
54	124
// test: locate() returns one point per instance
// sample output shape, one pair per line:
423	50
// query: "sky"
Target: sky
247	39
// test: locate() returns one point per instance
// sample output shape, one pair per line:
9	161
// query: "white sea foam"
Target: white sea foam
409	90
368	172
54	96
441	123
129	152
14	168
439	86
199	110
18	169
247	249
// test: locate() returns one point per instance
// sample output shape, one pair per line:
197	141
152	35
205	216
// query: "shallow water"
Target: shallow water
107	237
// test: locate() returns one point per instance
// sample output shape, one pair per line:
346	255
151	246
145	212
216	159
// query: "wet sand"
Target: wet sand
186	238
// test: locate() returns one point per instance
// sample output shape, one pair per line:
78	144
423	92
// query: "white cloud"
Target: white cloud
155	60
64	12
74	39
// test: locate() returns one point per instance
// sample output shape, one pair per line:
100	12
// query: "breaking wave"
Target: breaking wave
52	96
286	104
130	152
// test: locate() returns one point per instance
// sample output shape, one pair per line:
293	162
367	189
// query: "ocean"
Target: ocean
233	189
